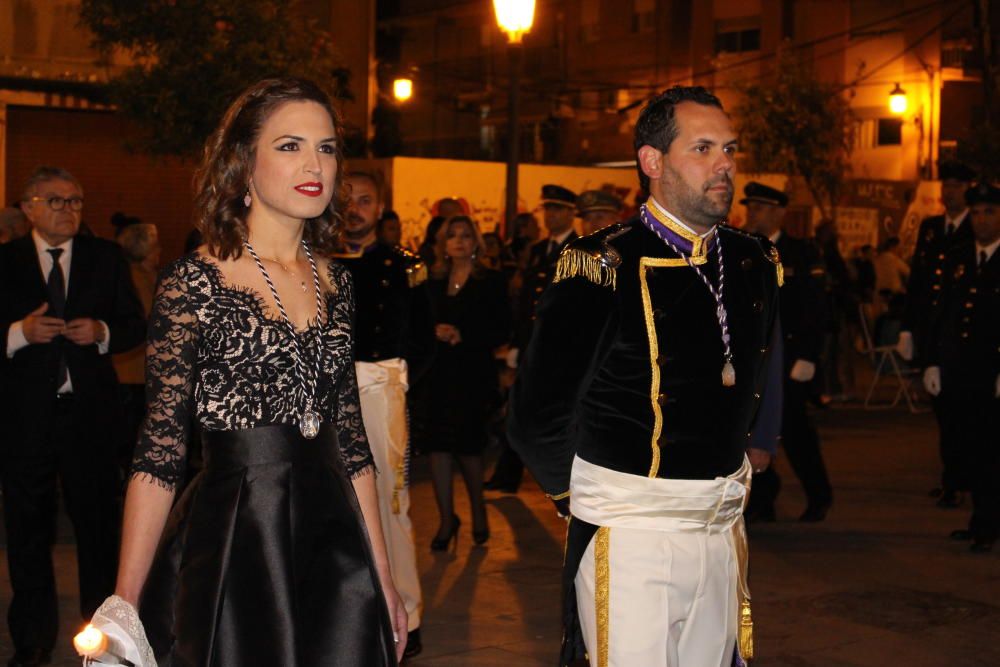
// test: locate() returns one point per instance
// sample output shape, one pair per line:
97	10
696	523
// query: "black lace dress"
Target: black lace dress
265	559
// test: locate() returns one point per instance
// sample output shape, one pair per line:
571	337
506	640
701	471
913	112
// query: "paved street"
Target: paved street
878	583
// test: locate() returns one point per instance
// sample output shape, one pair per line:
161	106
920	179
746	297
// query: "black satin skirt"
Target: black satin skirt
265	560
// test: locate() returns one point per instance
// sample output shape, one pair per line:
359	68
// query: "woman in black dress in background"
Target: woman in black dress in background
274	553
472	318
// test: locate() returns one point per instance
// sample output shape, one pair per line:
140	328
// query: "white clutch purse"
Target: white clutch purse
115	636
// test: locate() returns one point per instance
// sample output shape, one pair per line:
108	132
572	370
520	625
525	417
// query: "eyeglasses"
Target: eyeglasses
59	203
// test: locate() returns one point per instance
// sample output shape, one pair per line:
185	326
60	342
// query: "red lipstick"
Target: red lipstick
311	189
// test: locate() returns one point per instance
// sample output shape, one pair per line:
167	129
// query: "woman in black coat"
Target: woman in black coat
472	318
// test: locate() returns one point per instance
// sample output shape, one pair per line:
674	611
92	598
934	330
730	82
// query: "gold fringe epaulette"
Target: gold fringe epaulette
416	274
596	268
772	254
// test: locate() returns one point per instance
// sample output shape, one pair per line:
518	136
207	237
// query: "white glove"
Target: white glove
932	380
802	371
904	345
126	638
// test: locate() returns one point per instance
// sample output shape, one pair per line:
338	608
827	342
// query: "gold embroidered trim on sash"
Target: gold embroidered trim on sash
744	623
772	254
557	496
399	485
602	592
575	262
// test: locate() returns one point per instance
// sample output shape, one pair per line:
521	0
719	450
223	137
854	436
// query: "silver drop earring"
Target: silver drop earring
246	199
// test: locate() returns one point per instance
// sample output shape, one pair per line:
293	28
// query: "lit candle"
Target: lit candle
90	642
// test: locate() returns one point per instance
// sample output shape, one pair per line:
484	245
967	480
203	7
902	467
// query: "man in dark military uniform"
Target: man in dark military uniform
393	337
963	357
558	204
598	209
639	404
802	318
938	235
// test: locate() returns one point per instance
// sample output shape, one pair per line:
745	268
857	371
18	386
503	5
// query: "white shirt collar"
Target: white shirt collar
773	238
562	237
664	211
988	249
42	246
957	220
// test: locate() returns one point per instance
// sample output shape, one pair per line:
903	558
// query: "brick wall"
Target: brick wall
90	145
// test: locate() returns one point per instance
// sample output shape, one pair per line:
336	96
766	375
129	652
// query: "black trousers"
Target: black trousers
70	451
971	416
800	441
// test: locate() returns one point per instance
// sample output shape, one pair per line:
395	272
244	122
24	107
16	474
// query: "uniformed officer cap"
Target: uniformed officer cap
597	200
764	194
984	193
956	171
558	195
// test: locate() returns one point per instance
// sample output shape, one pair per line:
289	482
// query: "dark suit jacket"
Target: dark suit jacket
802	299
100	287
923	290
964	332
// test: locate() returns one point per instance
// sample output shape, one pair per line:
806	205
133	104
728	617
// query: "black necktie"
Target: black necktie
948	229
982	260
57	307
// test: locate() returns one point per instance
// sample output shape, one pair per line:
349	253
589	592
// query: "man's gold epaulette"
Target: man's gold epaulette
768	248
416	268
592	258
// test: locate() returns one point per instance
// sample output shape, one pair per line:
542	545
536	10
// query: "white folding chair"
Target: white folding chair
886	362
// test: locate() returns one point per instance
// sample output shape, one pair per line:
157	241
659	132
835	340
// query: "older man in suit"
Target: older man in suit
66	302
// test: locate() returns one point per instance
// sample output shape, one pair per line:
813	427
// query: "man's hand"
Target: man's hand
904	345
84	331
802	371
39	328
446	333
932	380
760	459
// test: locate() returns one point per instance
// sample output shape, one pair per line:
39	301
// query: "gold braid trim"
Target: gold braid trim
602	591
574	262
399	485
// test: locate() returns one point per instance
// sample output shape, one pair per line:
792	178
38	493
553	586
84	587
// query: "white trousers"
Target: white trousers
382	387
658	586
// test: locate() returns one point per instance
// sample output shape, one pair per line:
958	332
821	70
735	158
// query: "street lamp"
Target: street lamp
897	100
515	18
402	89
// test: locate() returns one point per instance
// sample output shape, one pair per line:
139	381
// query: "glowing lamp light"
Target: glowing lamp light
897	100
402	89
90	642
514	17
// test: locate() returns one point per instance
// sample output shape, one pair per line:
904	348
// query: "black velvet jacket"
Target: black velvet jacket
624	364
393	314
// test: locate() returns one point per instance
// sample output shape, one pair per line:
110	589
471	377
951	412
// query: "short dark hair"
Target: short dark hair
372	178
45	174
656	126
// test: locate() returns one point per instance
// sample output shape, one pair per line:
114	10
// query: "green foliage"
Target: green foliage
795	124
193	57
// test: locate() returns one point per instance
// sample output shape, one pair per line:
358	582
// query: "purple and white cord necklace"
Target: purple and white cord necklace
728	371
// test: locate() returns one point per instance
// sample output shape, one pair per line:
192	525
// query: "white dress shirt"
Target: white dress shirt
663	209
15	336
988	249
951	224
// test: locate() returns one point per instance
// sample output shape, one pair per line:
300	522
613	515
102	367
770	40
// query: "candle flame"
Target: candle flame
90	642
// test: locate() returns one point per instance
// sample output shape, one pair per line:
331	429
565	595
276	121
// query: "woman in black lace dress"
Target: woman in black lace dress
274	554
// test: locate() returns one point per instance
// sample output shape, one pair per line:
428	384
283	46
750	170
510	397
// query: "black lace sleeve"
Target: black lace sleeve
354	449
171	353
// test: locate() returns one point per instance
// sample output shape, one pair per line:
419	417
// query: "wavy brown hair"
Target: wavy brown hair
222	180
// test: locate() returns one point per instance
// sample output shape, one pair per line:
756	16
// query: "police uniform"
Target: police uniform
936	239
621	414
964	344
537	275
393	339
803	316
